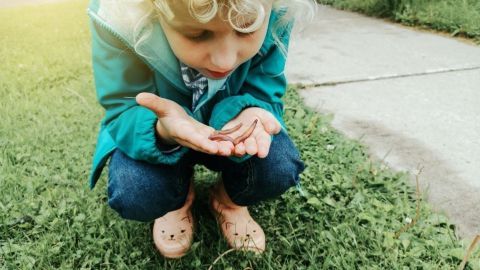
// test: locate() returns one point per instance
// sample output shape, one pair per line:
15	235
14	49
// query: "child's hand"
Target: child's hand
258	143
174	125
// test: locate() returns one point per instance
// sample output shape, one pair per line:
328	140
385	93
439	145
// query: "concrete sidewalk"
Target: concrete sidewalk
412	97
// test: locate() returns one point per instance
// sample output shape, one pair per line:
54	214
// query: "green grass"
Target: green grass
49	219
457	17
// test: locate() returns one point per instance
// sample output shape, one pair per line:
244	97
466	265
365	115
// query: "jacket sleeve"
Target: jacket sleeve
263	87
119	76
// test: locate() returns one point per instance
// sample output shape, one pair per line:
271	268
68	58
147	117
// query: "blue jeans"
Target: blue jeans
143	191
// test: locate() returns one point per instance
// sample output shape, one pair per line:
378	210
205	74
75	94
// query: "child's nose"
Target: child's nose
224	57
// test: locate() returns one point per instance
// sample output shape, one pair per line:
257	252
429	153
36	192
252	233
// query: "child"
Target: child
171	72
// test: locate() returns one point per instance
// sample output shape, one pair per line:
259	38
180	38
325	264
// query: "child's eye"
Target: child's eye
204	35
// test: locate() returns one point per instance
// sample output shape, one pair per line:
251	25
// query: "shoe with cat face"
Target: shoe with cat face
240	230
173	232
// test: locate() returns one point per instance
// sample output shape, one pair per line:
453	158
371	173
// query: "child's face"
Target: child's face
214	49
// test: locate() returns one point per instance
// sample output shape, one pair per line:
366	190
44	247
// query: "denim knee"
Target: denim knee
138	193
269	177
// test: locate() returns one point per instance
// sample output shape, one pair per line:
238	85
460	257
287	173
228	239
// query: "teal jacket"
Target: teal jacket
121	73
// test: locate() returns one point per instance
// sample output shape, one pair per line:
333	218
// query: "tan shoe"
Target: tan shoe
238	227
173	233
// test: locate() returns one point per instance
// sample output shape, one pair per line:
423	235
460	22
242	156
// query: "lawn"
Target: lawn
457	17
352	213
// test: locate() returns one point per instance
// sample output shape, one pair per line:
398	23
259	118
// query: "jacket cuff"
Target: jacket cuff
151	151
167	149
163	147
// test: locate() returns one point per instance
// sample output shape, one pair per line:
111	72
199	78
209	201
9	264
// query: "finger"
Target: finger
210	151
250	146
272	127
240	149
263	144
225	148
198	142
270	123
153	102
195	134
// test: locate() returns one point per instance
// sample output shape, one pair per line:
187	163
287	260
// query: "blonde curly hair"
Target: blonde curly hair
236	12
244	16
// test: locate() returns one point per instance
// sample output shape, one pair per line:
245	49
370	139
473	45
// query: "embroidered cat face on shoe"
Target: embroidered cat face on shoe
173	232
248	237
180	235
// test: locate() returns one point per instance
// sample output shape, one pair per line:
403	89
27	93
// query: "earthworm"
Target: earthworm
228	131
221	135
246	134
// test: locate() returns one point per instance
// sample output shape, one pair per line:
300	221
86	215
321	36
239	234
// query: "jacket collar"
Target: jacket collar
121	18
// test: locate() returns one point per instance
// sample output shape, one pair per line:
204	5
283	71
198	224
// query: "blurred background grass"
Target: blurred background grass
49	219
457	17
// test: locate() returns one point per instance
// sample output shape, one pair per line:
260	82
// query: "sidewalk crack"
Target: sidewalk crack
388	76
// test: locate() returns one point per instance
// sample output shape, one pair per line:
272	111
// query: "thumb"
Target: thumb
270	123
153	102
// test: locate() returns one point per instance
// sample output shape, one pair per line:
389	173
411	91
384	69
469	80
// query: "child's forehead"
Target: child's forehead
182	17
186	21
